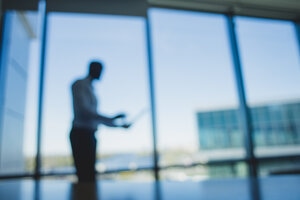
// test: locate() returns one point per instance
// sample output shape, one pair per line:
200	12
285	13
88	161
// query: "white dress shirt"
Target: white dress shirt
84	104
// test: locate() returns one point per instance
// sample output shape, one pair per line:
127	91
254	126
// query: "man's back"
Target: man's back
84	104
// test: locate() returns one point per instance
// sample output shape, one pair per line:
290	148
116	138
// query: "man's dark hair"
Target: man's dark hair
95	69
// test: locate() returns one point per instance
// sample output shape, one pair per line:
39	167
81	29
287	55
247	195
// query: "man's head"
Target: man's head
95	69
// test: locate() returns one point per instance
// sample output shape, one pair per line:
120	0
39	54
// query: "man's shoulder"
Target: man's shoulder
80	83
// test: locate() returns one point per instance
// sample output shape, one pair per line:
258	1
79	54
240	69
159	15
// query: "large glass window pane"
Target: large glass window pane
196	96
119	42
271	68
19	34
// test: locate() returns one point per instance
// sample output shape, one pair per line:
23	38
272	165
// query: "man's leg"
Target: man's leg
83	143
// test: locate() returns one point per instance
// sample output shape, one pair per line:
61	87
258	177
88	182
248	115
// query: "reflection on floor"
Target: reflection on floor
269	188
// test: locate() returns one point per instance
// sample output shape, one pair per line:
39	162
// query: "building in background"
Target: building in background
272	124
275	126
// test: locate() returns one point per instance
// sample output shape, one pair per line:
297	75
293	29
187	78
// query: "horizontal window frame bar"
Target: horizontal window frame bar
206	163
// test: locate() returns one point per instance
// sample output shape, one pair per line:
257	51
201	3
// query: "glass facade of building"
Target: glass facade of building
273	125
19	30
219	129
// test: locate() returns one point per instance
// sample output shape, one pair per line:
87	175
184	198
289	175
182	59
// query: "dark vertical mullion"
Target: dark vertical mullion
297	30
43	9
244	110
4	45
152	98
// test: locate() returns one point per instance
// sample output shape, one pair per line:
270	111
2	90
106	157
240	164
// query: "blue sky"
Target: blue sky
192	70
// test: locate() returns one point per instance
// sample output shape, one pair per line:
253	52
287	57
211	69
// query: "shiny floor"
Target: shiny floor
268	188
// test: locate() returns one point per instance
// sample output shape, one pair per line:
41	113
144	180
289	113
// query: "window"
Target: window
119	42
194	81
271	67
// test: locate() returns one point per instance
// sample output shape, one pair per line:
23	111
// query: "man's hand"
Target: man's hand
119	121
126	125
121	115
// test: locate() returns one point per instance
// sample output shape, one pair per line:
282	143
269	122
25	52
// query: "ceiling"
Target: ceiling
279	9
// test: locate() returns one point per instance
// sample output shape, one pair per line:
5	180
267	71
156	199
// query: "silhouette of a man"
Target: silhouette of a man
85	123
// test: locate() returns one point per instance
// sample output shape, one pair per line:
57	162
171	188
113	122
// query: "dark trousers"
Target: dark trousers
83	143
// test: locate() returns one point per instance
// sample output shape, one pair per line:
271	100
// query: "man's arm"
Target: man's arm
86	109
111	121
